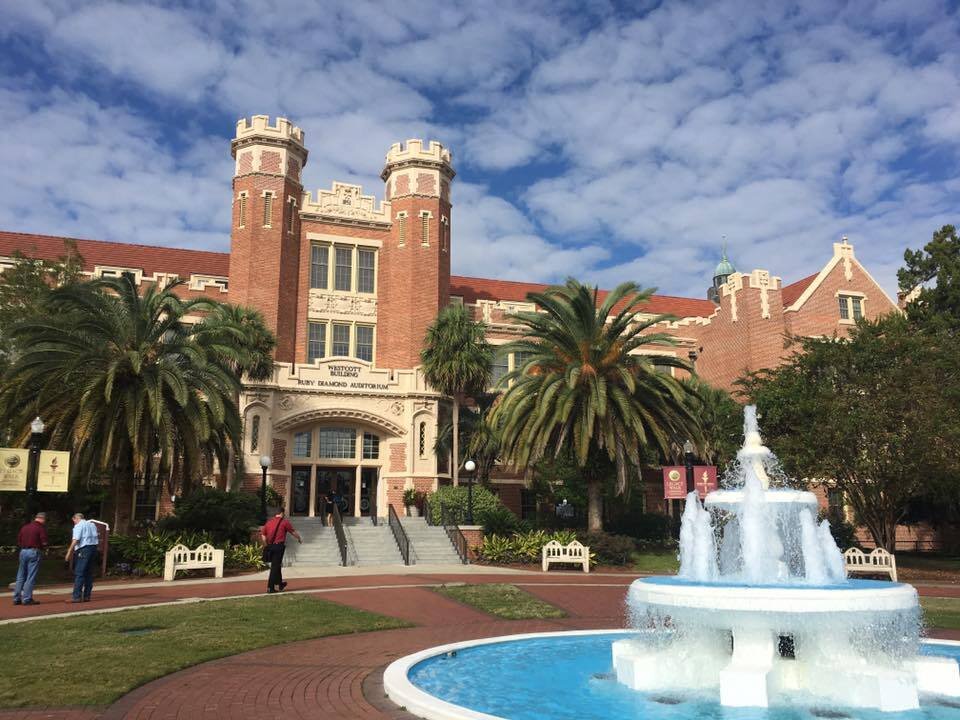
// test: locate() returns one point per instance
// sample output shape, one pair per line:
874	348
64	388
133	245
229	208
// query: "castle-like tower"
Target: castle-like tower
265	240
415	274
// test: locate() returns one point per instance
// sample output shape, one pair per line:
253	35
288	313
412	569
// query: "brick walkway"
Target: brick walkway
336	677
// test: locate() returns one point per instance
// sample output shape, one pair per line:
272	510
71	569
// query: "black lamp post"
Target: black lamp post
33	465
688	463
265	465
470	466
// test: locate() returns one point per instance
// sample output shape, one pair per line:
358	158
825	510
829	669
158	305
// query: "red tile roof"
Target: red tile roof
794	290
149	258
473	289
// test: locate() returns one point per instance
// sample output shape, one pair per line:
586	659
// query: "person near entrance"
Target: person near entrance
83	547
322	508
273	534
328	509
32	541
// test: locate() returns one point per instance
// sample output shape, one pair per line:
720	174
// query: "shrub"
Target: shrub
146	554
521	547
454	499
608	549
226	516
499	521
651	529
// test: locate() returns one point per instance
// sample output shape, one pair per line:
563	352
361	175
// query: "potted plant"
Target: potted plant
410	502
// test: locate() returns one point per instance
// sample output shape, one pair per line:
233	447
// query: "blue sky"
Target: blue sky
605	140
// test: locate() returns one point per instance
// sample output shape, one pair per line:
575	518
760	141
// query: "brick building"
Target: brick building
350	285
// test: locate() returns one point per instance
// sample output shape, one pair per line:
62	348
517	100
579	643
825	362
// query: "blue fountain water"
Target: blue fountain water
571	678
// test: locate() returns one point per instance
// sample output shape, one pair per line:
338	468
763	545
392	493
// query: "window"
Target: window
519	358
255	434
316	341
344	270
365	343
301	444
444	233
242	213
423	440
291	212
319	266
851	307
500	368
341	340
371	446
661	368
402	228
365	265
338	443
424	228
145	501
267	209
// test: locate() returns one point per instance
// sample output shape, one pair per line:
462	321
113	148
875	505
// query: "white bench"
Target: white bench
554	552
180	557
878	562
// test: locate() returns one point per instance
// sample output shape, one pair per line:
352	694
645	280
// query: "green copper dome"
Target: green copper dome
724	267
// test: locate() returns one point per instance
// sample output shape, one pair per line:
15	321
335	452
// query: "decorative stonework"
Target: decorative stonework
845	250
761	279
348	307
346	202
339	414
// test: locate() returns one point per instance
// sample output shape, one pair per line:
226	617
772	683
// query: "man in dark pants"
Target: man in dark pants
85	542
32	541
273	534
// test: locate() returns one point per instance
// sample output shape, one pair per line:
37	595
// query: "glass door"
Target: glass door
337	484
300	498
368	491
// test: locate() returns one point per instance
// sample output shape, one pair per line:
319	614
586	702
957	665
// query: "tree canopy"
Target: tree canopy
934	272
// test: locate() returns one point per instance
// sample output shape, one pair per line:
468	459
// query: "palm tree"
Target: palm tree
123	382
721	418
477	433
583	385
457	361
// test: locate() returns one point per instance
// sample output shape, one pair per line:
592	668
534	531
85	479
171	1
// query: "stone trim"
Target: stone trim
339	414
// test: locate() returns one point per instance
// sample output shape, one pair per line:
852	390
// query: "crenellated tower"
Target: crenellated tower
265	243
415	266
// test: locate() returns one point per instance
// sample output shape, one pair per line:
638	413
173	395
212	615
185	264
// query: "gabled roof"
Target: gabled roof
473	289
791	292
149	258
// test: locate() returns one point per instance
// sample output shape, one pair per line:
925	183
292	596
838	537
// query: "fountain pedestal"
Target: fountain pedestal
745	682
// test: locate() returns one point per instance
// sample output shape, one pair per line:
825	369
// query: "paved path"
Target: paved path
336	677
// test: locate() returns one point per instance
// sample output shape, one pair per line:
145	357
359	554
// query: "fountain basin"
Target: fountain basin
732	499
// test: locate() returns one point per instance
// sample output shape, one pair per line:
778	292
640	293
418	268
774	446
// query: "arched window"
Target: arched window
255	434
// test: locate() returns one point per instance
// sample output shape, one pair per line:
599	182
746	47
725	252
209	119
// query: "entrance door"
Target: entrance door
300	499
337	482
368	491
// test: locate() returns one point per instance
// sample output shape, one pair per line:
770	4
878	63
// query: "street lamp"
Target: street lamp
688	463
470	466
265	465
33	465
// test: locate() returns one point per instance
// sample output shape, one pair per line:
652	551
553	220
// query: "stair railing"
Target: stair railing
341	537
456	536
399	534
427	512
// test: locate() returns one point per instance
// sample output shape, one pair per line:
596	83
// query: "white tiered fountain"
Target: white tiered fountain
762	608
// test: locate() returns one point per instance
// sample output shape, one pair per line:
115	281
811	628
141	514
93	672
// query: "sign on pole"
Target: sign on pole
13	469
54	471
675	481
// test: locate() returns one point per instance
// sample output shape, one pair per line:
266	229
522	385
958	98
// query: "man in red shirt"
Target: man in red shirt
32	541
273	534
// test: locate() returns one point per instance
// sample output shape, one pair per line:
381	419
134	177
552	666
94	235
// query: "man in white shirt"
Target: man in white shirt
84	544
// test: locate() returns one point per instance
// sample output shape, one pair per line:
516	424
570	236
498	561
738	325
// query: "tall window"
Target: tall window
371	446
423	440
857	308
291	211
242	213
402	228
424	228
444	233
301	444
316	341
267	209
520	358
343	275
341	340
365	269
365	343
255	434
319	266
338	443
501	367
851	307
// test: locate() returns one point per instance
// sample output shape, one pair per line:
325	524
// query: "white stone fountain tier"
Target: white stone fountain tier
732	499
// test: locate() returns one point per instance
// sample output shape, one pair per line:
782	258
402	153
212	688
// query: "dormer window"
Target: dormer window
851	307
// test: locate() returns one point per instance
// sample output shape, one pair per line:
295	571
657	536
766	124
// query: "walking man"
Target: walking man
84	544
32	541
273	534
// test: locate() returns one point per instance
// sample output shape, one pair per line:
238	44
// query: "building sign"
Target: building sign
13	468
54	471
345	376
675	481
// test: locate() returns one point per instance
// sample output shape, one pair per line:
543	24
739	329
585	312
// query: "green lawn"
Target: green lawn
663	562
943	613
503	601
94	659
928	561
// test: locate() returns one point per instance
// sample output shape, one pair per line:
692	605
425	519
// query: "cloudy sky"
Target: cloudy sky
606	140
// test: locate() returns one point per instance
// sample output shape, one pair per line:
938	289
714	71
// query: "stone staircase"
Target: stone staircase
319	544
372	544
430	544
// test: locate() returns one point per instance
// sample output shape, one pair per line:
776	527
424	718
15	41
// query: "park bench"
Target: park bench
554	552
878	562
180	557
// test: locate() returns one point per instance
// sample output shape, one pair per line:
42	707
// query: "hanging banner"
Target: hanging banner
13	469
54	471
675	481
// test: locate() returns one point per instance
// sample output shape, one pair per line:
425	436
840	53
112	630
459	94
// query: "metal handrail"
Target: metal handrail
341	534
456	536
427	512
399	534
